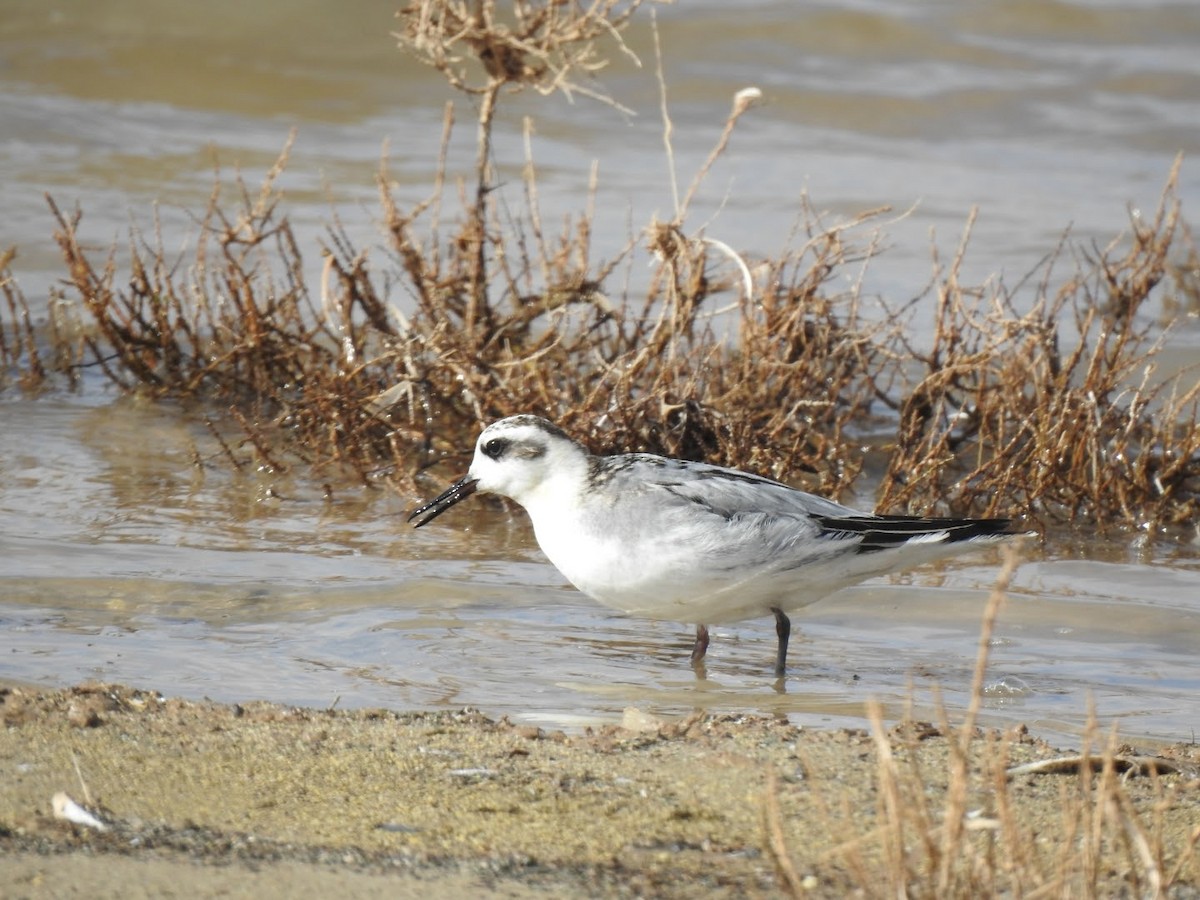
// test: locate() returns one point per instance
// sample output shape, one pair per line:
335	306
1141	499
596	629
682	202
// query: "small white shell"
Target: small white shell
66	808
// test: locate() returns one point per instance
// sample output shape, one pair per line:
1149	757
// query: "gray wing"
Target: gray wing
729	492
730	545
780	514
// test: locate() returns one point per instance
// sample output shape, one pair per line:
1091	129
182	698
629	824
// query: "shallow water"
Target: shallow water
120	559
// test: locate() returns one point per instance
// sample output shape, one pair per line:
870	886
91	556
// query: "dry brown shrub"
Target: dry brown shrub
483	48
661	373
1058	410
1050	409
20	356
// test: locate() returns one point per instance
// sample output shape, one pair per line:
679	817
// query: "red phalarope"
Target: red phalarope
689	542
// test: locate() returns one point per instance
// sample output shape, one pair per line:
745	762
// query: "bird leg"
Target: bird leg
701	646
783	630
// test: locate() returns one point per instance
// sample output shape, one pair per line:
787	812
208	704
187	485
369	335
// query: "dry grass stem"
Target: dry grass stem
776	843
949	822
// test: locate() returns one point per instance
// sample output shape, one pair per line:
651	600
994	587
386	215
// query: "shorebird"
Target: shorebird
690	542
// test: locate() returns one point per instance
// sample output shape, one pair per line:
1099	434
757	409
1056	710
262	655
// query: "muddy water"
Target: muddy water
121	559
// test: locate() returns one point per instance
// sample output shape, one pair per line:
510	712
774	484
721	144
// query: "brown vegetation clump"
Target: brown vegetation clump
1055	412
1059	409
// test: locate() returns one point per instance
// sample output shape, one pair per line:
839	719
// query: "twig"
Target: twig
790	879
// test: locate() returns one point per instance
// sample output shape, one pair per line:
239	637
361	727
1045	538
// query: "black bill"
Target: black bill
460	490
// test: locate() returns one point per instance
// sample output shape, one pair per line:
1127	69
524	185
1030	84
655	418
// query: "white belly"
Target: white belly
671	580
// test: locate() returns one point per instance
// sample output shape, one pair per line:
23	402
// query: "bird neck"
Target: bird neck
561	489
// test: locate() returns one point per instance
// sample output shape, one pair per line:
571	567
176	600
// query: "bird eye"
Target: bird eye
495	448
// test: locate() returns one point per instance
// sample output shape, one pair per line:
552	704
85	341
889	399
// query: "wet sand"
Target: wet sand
210	799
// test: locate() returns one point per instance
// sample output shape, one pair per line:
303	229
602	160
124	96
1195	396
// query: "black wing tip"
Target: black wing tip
884	532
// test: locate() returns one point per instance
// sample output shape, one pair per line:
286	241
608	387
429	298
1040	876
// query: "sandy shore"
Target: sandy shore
270	800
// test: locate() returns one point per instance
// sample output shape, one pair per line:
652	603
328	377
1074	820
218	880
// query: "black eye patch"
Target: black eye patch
495	448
